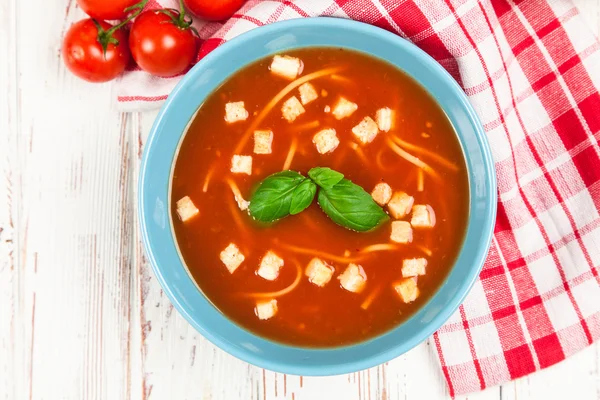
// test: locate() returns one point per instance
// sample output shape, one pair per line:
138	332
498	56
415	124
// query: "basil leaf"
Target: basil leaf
302	197
348	205
325	177
273	198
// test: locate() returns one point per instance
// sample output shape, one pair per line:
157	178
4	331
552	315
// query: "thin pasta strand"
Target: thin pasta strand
283	291
412	159
278	97
424	249
242	203
379	161
306	126
379	247
235	212
319	253
341	79
420	180
207	179
290	155
427	153
365	304
362	156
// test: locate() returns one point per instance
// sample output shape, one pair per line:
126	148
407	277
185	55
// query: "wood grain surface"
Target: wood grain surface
81	315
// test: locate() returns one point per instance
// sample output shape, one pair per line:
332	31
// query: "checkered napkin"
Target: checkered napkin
532	72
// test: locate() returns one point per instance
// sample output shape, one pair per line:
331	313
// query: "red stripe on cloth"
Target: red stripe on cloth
589	107
520	361
436	340
558	195
540	226
472	348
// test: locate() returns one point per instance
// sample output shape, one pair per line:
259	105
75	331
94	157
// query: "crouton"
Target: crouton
291	109
319	272
401	232
286	67
327	109
307	93
326	141
353	279
366	130
232	257
400	205
343	108
385	119
423	216
186	209
413	267
407	289
263	140
270	265
241	164
382	193
266	309
235	112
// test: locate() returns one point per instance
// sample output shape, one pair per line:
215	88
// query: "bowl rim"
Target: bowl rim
368	360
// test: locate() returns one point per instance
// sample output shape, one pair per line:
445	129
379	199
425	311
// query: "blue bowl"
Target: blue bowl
159	158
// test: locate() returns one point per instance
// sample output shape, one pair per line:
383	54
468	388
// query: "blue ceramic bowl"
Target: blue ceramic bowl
159	158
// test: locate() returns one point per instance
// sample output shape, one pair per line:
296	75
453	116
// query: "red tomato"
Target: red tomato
213	10
84	56
106	9
162	45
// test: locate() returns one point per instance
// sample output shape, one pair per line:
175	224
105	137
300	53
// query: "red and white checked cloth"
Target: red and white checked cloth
532	72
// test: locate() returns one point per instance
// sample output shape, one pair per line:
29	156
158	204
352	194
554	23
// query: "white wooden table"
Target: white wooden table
81	315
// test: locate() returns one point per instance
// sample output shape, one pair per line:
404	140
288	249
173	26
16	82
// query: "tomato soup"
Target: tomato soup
319	197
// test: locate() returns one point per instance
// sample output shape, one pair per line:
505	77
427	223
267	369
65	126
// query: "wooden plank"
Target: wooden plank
9	328
70	185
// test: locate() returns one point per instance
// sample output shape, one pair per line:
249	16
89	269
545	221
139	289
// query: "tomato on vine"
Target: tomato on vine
92	58
163	42
97	51
213	10
106	9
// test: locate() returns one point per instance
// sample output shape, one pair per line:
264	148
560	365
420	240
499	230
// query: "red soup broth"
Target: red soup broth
311	315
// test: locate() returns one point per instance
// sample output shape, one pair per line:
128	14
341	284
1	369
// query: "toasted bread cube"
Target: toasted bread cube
307	93
413	267
423	216
291	109
366	130
232	257
263	141
382	193
353	279
343	108
235	112
401	232
270	265
319	272
327	109
326	141
286	67
266	309
186	209
407	289
400	205
385	119
241	164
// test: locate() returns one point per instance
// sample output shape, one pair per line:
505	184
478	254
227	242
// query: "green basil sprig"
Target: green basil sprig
275	195
348	205
289	193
